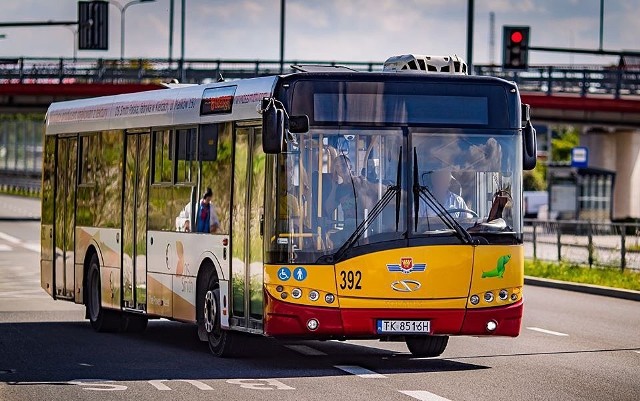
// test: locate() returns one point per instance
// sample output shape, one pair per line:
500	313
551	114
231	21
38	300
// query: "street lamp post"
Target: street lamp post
122	10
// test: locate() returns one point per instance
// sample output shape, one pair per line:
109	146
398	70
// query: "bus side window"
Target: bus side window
214	156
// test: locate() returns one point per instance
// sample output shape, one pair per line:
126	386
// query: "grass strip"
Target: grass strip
608	277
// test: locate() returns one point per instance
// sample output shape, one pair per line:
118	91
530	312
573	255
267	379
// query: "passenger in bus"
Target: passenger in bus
351	193
440	187
207	218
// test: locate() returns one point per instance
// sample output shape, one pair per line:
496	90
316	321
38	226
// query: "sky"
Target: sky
329	30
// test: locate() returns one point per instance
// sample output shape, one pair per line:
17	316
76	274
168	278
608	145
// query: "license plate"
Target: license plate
403	326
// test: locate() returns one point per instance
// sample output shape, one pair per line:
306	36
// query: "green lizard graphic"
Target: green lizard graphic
500	267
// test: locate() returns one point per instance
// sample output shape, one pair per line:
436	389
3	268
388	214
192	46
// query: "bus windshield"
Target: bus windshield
338	188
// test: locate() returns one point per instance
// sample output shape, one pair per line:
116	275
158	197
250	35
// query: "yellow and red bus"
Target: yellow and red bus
343	205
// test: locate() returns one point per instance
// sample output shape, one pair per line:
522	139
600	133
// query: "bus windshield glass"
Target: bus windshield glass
355	187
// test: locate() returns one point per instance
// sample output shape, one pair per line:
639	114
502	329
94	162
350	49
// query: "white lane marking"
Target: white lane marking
85	364
553	333
305	350
424	396
9	238
360	372
5	248
163	387
637	352
31	246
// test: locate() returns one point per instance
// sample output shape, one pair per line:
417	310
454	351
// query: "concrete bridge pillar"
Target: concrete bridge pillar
602	147
626	202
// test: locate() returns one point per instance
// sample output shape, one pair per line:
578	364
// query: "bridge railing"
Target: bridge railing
580	80
584	242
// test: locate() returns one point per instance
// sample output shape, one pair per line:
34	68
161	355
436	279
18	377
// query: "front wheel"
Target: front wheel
102	320
427	346
220	341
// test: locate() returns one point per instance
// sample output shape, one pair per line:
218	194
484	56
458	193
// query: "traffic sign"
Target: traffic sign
579	156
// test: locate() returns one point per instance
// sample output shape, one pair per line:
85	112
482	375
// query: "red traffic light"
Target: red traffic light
516	37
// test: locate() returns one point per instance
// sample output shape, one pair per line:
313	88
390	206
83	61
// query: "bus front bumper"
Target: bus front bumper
284	319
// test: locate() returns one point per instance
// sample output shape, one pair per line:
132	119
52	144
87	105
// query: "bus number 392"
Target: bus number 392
351	280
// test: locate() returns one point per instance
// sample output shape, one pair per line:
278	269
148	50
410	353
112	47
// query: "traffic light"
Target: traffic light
93	25
515	47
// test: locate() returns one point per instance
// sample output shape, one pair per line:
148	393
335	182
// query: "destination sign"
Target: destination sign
217	100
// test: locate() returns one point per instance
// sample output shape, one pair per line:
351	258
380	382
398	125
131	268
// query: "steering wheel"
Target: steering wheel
460	210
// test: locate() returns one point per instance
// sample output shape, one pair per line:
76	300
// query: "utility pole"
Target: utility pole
601	22
469	36
492	38
282	14
171	8
182	19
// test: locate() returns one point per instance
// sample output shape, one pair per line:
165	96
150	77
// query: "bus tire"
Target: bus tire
220	341
134	323
102	320
427	346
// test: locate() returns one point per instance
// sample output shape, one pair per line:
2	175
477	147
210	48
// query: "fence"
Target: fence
21	154
583	242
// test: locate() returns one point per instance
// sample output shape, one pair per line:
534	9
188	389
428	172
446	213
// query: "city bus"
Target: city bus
325	220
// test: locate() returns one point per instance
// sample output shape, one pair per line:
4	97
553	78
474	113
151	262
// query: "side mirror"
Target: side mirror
272	130
529	147
299	124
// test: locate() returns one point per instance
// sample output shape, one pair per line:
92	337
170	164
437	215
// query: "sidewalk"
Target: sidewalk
19	208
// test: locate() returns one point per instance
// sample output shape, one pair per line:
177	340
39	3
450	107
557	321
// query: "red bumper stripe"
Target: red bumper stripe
284	319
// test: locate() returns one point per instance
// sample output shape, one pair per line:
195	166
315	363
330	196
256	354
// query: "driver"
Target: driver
440	181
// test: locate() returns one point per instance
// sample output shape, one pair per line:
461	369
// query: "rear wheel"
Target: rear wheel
220	341
102	320
428	346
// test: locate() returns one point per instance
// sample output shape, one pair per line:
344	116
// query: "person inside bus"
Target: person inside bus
351	194
440	183
207	218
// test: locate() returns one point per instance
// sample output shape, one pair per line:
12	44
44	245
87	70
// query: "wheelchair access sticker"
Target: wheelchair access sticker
284	273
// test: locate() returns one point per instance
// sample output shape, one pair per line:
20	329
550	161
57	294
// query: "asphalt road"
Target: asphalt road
572	347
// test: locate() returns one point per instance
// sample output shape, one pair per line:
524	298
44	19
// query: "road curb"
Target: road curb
584	288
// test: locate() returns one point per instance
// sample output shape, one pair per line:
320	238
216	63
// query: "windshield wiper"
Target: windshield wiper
375	211
424	193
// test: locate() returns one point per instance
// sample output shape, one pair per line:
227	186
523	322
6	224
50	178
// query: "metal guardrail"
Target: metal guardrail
581	80
584	242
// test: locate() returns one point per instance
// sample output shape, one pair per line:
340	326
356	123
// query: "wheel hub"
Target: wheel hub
209	311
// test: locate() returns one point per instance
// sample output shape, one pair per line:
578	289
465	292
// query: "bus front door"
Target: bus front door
64	212
134	224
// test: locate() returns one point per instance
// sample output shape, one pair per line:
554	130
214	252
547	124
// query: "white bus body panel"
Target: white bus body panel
157	108
174	259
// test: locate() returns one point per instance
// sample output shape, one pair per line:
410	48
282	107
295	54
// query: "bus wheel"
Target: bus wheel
428	346
220	341
101	320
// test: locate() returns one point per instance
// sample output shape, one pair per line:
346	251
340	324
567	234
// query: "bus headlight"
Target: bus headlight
488	296
503	295
329	298
514	296
474	299
296	293
313	295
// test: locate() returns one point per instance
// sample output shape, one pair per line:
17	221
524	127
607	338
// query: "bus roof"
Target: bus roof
222	101
208	103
